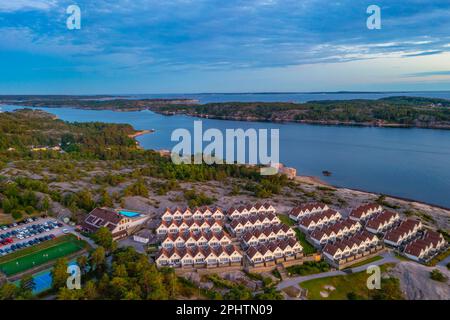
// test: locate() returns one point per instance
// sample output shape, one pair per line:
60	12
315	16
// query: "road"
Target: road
388	257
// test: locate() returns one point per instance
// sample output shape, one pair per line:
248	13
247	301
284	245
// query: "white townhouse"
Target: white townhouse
421	249
199	257
267	234
345	248
305	210
249	210
257	221
403	232
193	239
335	231
180	226
186	213
382	221
365	212
319	220
268	253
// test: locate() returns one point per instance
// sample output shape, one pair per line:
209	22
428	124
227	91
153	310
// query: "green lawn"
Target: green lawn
286	220
34	256
308	248
309	267
351	286
368	261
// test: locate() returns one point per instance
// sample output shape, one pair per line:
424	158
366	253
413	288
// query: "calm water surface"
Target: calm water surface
410	163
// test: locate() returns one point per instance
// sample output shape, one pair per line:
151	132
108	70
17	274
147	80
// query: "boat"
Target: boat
327	173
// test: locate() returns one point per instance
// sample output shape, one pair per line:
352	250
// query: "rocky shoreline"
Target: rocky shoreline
379	124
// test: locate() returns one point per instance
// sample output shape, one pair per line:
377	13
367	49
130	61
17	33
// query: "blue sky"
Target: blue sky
191	46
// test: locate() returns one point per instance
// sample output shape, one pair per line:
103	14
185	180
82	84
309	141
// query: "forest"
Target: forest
392	111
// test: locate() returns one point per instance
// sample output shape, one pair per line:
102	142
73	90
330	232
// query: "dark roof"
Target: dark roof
101	217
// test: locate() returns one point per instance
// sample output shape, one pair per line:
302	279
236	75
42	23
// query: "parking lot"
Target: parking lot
28	233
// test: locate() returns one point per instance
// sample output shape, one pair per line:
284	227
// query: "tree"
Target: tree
98	258
67	294
103	238
105	199
90	290
59	274
7	205
238	293
152	283
269	294
8	291
120	270
45	204
85	200
82	262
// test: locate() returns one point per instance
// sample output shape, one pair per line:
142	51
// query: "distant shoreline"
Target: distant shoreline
310	122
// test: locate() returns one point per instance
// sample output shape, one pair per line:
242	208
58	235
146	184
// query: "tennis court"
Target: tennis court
35	259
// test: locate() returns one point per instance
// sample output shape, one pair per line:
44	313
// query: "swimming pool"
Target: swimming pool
129	214
43	280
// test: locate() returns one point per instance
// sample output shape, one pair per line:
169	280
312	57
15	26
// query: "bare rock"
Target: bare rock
416	283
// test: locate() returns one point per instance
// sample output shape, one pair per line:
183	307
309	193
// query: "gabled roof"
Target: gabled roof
358	212
330	249
308	206
102	217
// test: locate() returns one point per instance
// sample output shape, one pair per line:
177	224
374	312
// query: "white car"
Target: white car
65	230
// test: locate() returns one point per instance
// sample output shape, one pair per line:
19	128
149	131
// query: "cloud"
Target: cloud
18	5
430	74
424	53
137	37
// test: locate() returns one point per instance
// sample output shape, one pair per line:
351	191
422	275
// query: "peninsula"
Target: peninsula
402	112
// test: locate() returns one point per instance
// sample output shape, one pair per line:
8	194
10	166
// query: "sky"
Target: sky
196	46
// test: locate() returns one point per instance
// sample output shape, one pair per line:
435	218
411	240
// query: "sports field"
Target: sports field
39	256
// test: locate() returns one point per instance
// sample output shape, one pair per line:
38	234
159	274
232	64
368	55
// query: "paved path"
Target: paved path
388	257
87	239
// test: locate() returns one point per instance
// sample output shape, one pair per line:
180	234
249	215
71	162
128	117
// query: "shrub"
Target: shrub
436	275
17	214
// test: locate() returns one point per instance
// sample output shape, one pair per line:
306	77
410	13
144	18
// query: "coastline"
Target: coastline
154	108
140	133
315	180
309	122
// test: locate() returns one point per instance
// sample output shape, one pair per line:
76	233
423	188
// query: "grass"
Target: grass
307	247
352	286
400	257
436	275
362	263
31	257
438	258
309	267
286	220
